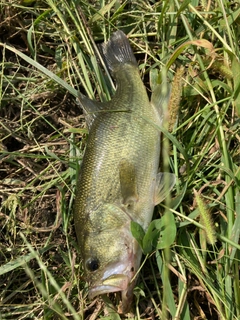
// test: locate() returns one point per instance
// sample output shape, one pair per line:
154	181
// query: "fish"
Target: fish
119	180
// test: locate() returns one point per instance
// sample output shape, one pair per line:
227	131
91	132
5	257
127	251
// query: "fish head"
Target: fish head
111	255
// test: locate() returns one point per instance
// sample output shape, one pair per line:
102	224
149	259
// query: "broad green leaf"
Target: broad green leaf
137	232
151	236
168	231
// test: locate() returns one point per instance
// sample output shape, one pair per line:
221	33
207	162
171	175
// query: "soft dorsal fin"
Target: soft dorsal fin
164	184
128	183
90	108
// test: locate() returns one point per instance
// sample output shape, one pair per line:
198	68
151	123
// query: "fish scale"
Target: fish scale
118	181
116	136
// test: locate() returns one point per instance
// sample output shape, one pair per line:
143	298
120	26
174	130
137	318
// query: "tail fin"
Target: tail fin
117	51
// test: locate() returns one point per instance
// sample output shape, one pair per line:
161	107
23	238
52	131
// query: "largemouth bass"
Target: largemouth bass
119	180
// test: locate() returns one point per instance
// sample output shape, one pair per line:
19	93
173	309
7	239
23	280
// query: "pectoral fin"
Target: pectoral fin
128	182
160	97
164	184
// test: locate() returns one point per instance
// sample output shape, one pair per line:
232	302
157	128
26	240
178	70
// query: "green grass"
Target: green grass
47	55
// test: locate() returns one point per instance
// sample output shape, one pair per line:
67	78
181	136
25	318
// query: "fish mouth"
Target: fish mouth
120	276
114	283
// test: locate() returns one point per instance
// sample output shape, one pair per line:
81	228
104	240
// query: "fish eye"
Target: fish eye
92	264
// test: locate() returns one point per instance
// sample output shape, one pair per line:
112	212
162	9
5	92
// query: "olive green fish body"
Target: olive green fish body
118	177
